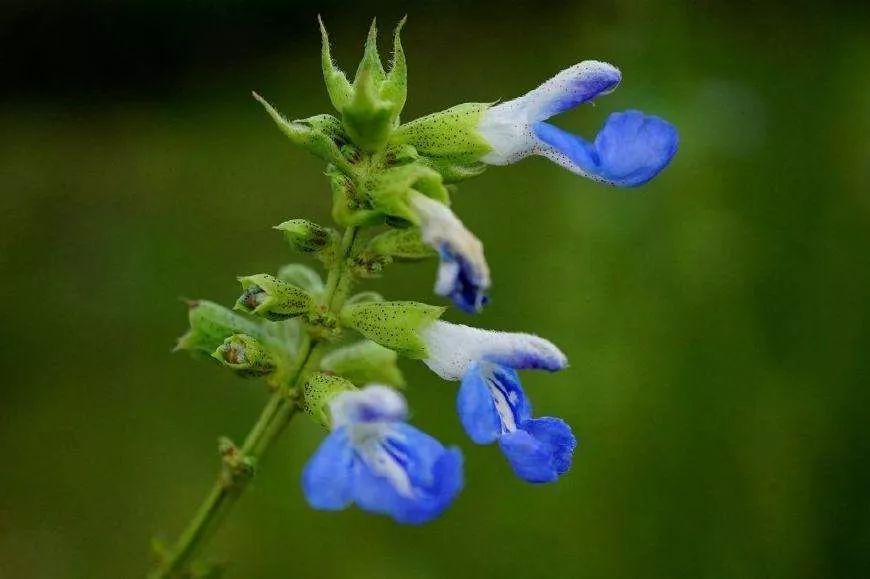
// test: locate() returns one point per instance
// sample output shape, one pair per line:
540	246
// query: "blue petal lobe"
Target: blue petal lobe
327	478
556	435
428	479
475	406
528	457
541	450
633	147
629	150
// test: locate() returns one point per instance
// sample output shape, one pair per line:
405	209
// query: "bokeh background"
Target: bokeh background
717	319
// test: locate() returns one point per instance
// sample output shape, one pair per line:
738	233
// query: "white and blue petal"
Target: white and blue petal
491	402
385	466
327	480
452	348
629	150
407	475
507	127
372	404
463	274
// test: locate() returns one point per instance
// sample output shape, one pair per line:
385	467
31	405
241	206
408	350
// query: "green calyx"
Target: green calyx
401	244
365	362
393	325
246	355
321	135
317	393
371	105
310	238
394	244
448	140
211	324
379	191
271	298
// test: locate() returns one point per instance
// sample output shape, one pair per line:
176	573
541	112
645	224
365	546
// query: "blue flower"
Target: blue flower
628	151
463	274
491	403
493	408
376	460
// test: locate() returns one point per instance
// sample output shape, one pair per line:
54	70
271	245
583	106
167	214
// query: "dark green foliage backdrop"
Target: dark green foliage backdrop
716	320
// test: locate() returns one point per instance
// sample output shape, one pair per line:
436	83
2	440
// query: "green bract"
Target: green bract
302	276
364	363
319	135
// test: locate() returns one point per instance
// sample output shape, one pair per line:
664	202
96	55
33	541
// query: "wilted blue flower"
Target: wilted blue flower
491	403
376	460
463	274
629	150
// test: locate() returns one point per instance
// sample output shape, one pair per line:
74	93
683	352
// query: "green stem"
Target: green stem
277	413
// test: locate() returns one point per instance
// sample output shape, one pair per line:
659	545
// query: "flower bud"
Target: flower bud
307	237
394	325
364	363
210	324
246	355
318	391
369	107
302	276
272	298
321	135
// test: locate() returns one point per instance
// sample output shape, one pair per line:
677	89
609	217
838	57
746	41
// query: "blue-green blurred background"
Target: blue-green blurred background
717	320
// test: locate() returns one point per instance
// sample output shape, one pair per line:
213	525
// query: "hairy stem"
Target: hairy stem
277	413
